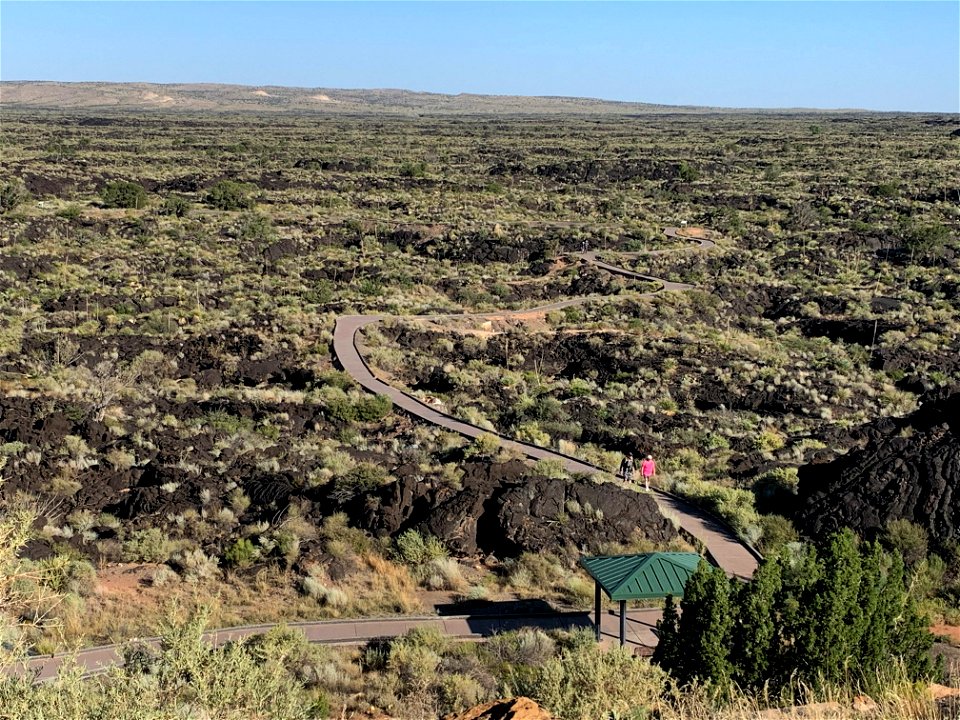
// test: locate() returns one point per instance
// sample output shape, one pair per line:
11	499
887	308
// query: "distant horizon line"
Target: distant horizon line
688	106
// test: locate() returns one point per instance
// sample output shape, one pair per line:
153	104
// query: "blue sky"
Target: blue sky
880	56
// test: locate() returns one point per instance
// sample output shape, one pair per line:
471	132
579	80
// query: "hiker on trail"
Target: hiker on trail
648	468
626	467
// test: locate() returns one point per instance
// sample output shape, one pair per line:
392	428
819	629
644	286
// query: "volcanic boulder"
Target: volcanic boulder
903	468
505	510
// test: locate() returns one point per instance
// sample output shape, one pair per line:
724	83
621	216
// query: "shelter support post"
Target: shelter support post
597	602
623	623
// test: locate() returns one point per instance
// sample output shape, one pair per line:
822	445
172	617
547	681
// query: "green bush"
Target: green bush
241	554
733	505
123	194
184	677
907	538
776	532
229	195
416	549
840	615
150	545
175	205
12	194
411	169
587	682
373	408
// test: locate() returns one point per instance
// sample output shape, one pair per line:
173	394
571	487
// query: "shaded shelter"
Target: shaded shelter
638	577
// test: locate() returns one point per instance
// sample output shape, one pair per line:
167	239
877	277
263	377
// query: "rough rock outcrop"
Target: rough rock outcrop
902	468
520	708
505	510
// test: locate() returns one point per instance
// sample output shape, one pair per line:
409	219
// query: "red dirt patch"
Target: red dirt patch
951	632
124	579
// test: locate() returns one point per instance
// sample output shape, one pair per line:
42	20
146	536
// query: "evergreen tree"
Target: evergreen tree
705	627
840	616
755	626
668	651
835	612
872	627
795	639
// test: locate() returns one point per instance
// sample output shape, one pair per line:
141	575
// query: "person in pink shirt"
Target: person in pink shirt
648	468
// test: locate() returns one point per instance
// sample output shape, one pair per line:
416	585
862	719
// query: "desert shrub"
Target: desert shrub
412	169
243	679
415	549
776	486
587	682
484	445
325	594
776	532
550	468
414	664
535	572
373	408
175	205
733	505
524	647
254	227
241	554
366	477
457	692
150	545
687	172
123	194
443	574
197	566
907	538
12	194
229	195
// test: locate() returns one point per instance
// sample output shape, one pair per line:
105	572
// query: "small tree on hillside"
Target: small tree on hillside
12	194
229	195
123	194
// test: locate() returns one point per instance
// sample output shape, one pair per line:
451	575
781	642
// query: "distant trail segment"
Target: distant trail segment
721	543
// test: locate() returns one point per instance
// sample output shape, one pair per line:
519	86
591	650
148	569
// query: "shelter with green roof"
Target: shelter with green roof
638	577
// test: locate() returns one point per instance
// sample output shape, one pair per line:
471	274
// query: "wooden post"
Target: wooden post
623	623
596	606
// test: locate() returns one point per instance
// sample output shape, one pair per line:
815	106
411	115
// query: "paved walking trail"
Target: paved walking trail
640	635
721	544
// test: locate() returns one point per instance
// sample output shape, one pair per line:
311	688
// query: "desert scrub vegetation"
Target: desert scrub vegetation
255	678
829	301
415	677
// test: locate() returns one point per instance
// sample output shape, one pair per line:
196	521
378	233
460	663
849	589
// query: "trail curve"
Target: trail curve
721	543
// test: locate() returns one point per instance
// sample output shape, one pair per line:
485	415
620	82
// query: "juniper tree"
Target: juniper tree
834	611
705	627
668	652
754	631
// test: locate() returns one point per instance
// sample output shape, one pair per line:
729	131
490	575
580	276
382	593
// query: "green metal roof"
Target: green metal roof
638	577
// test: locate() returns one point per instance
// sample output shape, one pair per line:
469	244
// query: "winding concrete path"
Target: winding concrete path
720	542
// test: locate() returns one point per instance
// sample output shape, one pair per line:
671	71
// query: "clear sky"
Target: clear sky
876	55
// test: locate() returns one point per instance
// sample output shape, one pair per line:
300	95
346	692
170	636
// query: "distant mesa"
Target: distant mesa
194	97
